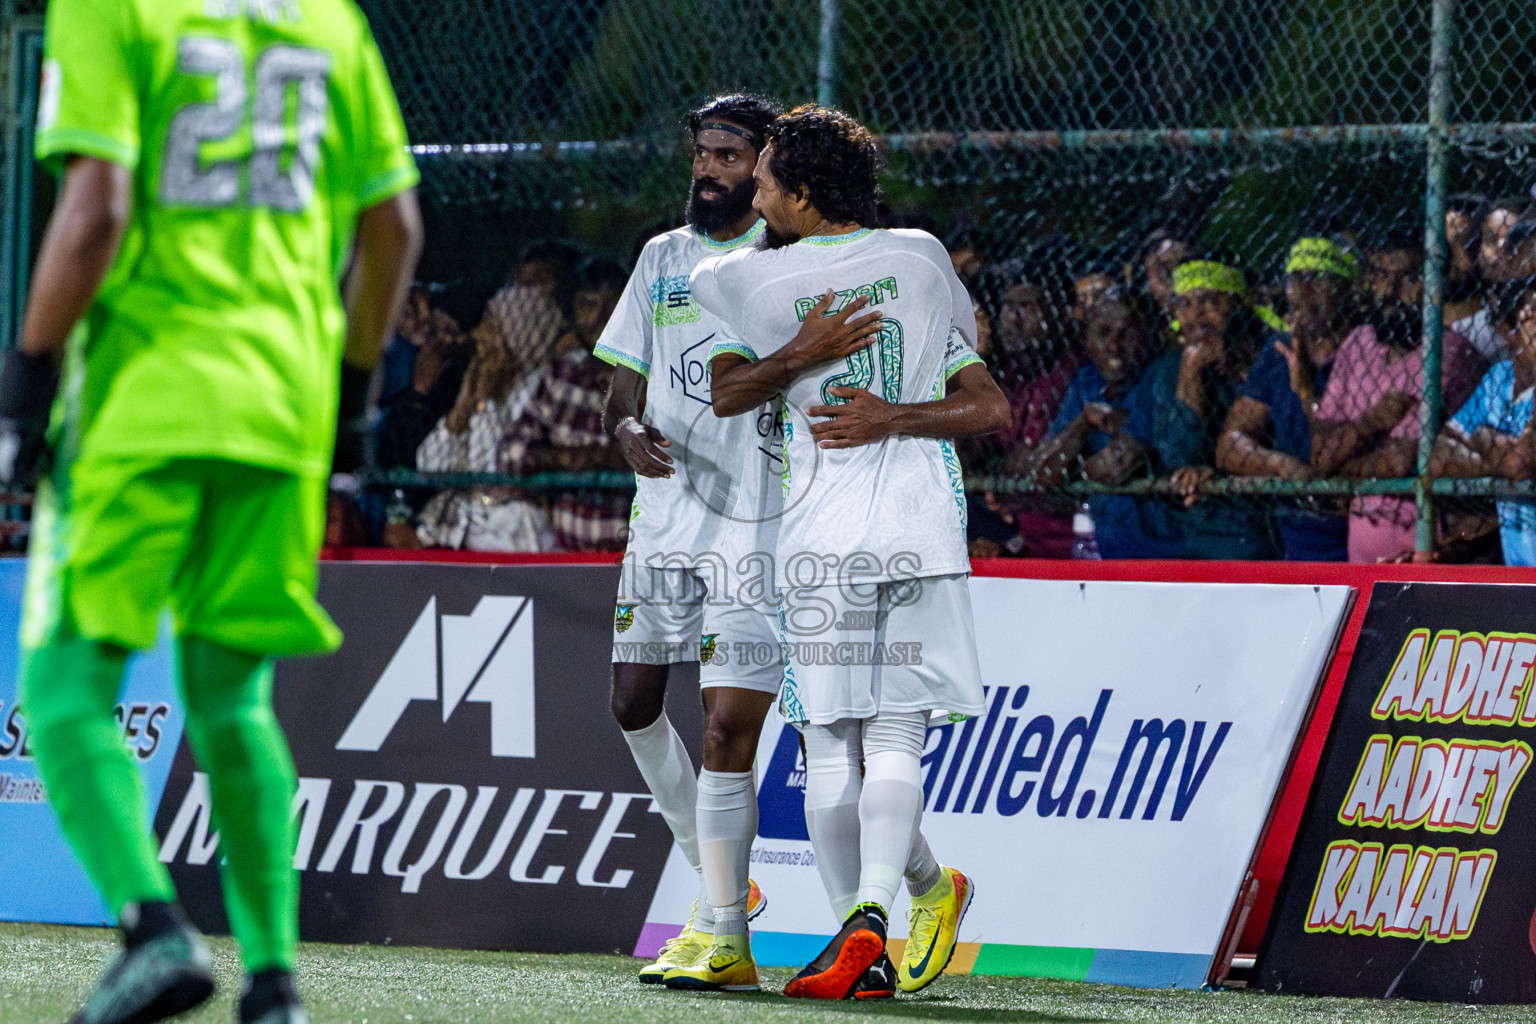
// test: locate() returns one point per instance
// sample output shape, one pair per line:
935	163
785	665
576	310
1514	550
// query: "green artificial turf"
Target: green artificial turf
46	971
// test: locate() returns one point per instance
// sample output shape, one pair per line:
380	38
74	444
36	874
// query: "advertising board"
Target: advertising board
40	880
1408	877
462	782
1109	802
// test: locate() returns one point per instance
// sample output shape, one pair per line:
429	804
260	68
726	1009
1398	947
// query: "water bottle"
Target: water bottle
1084	544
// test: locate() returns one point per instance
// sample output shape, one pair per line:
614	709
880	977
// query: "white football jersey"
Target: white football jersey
719	499
900	502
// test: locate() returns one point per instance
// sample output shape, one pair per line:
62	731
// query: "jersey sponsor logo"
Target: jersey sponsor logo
486	658
673	301
691	375
624	617
50	92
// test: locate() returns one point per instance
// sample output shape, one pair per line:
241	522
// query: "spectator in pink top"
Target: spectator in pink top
1367	420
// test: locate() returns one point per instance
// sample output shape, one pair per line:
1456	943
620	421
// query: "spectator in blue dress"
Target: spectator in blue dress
1088	432
1494	434
1193	388
1093	435
1268	431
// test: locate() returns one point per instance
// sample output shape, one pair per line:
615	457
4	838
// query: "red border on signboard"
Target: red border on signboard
1281	833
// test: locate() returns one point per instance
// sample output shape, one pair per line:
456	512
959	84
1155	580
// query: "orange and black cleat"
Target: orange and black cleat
879	982
837	972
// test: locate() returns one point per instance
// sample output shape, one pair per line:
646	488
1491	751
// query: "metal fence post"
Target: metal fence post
1441	32
826	58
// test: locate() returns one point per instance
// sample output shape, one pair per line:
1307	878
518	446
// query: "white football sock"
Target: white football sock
727	826
668	773
891	804
923	869
832	786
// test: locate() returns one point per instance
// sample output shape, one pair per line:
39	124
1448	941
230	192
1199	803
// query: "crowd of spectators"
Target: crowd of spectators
1164	376
517	394
1155	377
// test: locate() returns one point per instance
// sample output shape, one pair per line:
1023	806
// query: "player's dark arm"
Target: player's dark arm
973	404
738	385
640	444
389	238
79	249
81	245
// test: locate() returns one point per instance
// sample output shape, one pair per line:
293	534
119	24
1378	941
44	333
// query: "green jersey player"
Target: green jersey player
222	162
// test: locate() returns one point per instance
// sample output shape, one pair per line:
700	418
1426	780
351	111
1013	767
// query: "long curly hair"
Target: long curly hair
832	158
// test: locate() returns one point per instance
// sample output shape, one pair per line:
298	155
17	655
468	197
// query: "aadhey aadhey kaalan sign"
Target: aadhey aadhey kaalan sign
1412	874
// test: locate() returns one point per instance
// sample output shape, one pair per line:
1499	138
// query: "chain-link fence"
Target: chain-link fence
1069	150
1072	153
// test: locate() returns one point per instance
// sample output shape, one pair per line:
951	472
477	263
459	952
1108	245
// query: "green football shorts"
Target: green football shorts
229	547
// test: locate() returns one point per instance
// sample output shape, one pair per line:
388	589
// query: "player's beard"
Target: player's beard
711	215
773	239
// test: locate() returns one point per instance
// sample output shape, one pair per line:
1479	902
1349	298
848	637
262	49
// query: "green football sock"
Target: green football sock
238	742
68	690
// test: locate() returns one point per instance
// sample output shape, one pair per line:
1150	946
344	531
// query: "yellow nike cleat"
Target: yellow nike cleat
756	901
675	952
933	925
726	966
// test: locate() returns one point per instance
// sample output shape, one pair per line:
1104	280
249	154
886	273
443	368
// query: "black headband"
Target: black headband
739	132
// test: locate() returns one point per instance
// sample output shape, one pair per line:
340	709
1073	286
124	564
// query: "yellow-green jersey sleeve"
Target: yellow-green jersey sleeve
89	102
383	166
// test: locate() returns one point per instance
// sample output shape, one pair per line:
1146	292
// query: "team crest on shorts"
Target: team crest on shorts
707	648
624	616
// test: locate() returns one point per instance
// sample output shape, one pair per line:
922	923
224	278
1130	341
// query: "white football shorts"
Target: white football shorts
856	650
668	618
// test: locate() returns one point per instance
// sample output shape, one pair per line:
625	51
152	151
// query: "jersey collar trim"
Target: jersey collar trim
733	243
851	236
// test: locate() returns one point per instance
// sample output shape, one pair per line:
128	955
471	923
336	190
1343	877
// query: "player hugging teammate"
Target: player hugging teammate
828	447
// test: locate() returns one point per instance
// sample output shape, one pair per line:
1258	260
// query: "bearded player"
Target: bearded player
697	573
694	511
872	485
221	162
